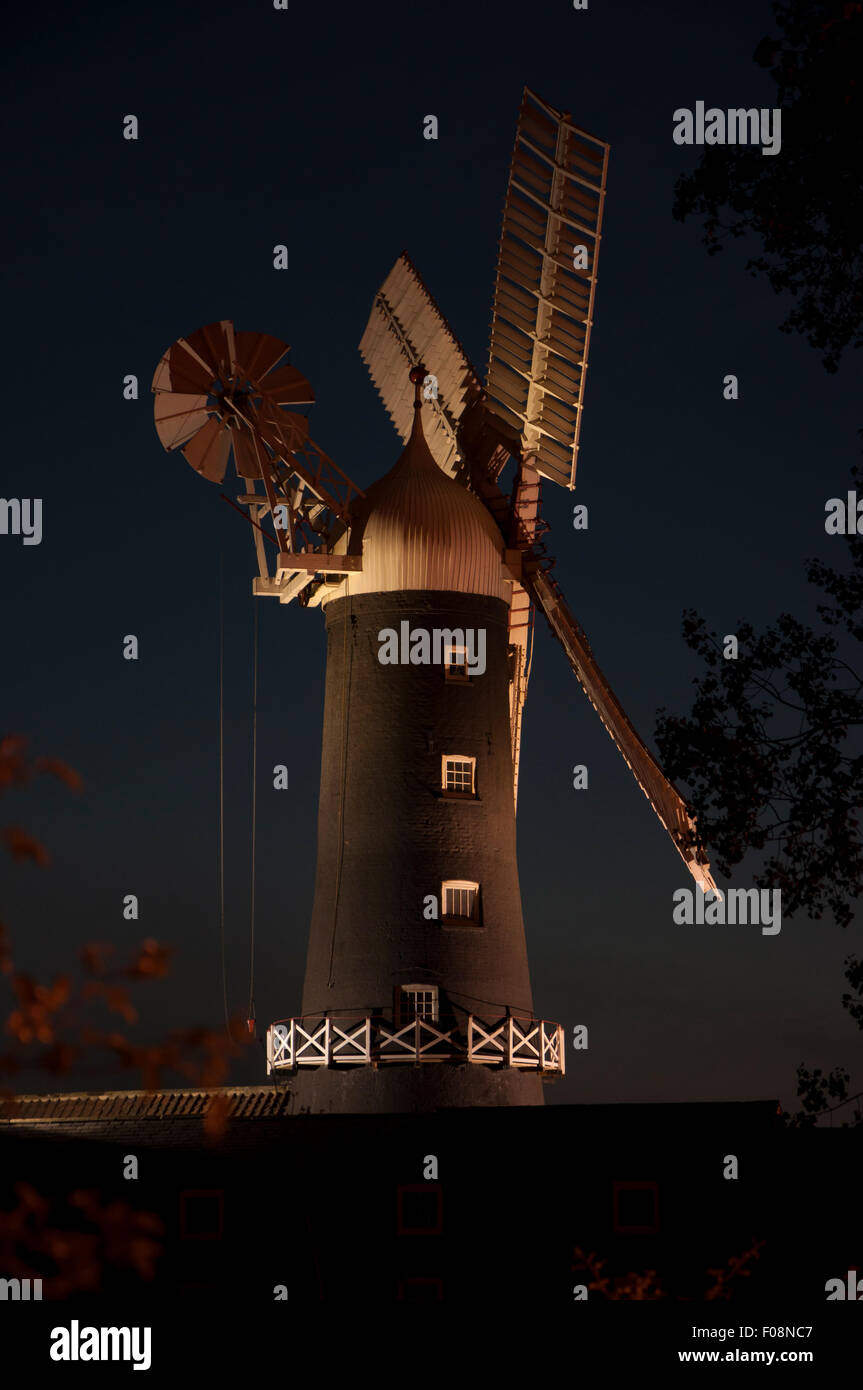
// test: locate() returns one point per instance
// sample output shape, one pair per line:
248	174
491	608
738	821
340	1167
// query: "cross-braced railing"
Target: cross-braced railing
326	1042
417	1041
516	1042
292	1044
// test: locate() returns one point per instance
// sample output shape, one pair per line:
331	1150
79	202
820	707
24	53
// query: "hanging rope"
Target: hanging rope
222	796
250	1016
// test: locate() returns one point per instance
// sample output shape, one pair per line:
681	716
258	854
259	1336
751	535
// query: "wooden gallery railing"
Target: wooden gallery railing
328	1042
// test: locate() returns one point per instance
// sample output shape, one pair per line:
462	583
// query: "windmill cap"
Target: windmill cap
418	529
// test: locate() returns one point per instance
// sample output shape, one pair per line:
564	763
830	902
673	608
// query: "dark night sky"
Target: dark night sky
305	127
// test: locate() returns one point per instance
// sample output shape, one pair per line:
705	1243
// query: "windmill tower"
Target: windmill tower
417	990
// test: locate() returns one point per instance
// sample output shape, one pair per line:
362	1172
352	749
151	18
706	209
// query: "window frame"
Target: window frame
620	1227
414	988
457	792
458	672
451	918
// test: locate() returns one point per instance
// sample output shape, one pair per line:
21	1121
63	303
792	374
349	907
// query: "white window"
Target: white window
455	663
458	773
418	1001
460	899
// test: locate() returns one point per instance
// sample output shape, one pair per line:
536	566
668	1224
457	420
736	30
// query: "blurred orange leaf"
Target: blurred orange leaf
216	1119
13	764
93	957
5	952
23	846
61	770
153	961
118	1001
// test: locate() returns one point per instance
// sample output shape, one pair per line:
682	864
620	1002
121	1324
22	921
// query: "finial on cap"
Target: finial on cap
418	375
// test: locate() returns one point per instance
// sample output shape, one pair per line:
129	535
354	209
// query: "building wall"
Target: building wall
387	838
342	1206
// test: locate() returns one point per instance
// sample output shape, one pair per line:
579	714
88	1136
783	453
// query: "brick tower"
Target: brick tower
417	991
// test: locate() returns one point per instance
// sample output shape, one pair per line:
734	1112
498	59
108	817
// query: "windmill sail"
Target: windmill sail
660	792
405	329
546	281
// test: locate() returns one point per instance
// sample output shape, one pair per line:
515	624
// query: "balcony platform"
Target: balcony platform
521	1043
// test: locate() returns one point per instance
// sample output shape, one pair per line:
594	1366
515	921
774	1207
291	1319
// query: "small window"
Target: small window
460	900
419	1210
418	1001
202	1215
455	664
421	1290
458	774
635	1208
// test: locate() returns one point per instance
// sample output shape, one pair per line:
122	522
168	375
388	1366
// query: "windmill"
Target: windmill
417	989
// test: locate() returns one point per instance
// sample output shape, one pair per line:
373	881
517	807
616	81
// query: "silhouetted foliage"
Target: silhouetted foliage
71	1242
769	753
804	204
51	1024
822	1094
646	1285
766	749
